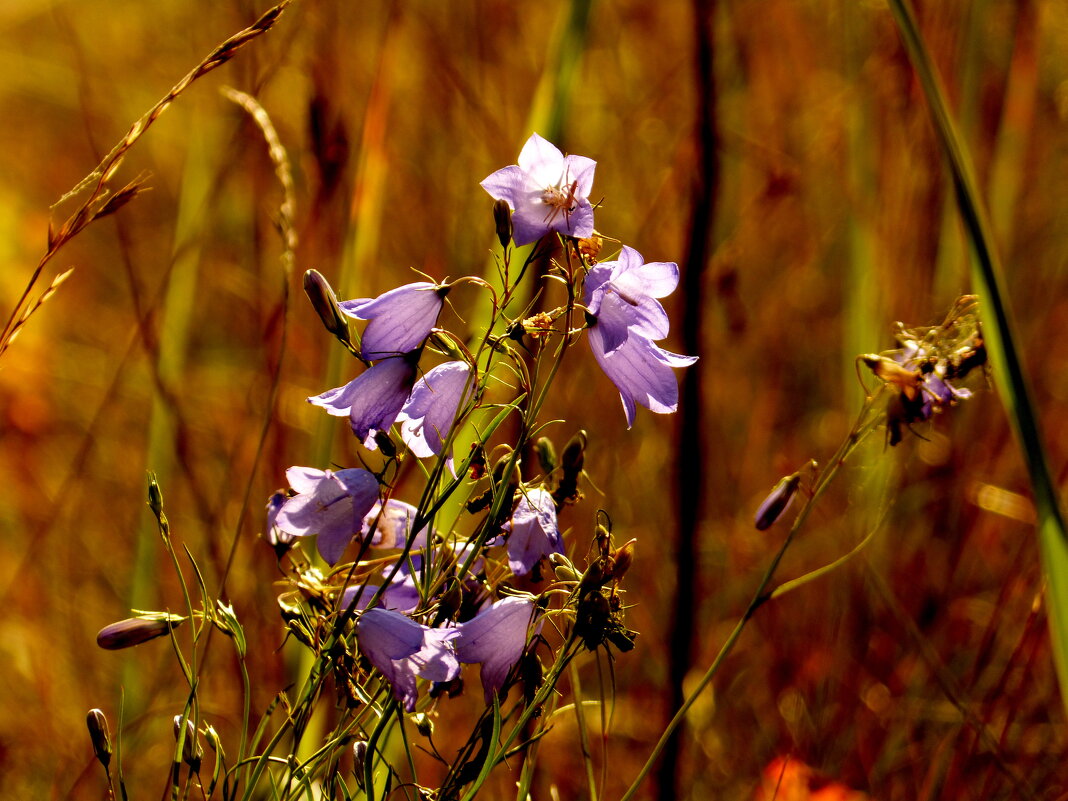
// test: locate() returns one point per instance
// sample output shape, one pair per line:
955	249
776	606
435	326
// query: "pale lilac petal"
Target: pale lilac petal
533	531
331	509
642	373
400	320
373	399
542	161
495	637
436	660
394	525
579	170
429	413
633	276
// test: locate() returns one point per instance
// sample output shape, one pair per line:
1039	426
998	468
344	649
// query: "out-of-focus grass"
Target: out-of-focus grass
827	156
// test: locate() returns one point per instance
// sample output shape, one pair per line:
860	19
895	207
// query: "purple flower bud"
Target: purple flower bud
99	735
323	300
546	191
136	630
400	320
192	753
495	638
777	502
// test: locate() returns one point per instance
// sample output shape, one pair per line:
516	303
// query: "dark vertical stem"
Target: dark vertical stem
691	471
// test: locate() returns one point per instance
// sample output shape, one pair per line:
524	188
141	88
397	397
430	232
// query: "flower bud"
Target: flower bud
778	500
546	454
135	630
359	755
622	558
98	733
424	724
155	496
502	219
324	301
192	753
574	453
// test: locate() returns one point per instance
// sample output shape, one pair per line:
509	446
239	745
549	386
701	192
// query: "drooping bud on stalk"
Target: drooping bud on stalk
779	499
502	219
359	755
136	630
100	736
324	301
546	454
622	558
571	463
192	753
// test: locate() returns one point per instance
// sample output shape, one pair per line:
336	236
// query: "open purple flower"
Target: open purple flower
533	532
328	504
641	371
430	411
394	525
621	295
402	649
373	399
547	191
399	320
495	637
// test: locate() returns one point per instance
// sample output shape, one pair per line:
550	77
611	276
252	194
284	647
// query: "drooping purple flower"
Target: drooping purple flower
330	504
373	399
400	320
533	532
431	410
402	649
622	296
400	594
547	191
495	638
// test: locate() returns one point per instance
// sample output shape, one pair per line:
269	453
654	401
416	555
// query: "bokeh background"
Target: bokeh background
797	180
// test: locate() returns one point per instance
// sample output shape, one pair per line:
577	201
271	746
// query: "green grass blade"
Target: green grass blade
1009	376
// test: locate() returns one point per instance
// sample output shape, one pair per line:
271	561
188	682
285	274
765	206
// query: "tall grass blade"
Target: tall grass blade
1009	376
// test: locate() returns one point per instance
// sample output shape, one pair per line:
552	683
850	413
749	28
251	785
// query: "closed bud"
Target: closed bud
100	736
424	724
502	219
574	456
324	301
779	499
136	630
155	496
359	756
562	568
622	559
546	454
192	753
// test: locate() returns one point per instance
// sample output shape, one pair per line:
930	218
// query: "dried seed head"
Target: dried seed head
136	630
100	736
502	219
324	301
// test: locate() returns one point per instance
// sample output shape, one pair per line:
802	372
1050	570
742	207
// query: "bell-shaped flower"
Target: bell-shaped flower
622	294
495	638
431	410
532	531
330	504
373	399
546	191
641	371
400	320
402	649
392	524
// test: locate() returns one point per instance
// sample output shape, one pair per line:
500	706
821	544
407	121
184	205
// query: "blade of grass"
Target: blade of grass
1009	377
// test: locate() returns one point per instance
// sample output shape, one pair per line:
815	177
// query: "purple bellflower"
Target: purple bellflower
533	532
373	399
625	318
330	504
495	638
546	191
402	649
400	320
430	411
394	525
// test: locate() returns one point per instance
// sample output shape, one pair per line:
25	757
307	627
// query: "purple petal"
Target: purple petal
533	531
394	525
495	637
542	161
373	399
431	410
331	509
400	320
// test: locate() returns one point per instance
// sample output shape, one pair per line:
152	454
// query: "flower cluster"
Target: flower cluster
421	603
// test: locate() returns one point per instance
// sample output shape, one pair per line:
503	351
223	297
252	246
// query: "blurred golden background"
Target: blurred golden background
833	216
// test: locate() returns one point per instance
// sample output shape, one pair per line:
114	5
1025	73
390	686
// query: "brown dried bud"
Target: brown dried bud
100	736
502	219
622	559
135	630
324	301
